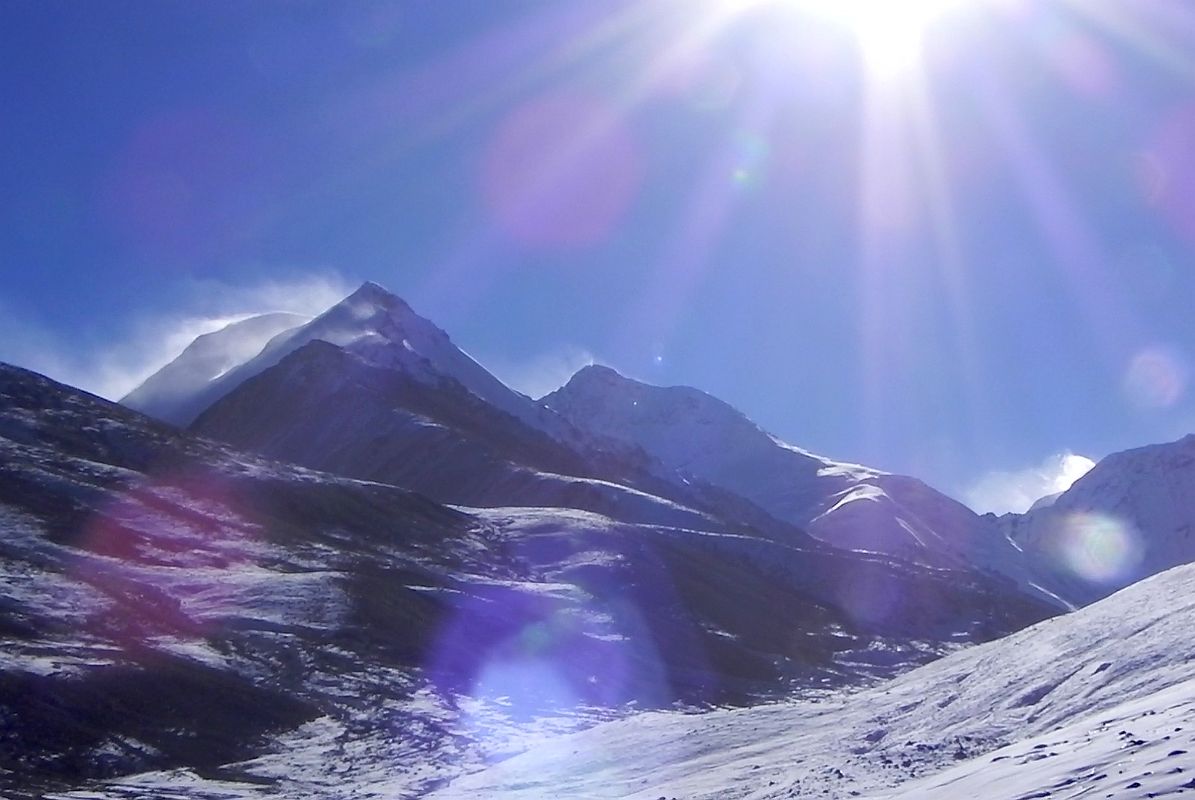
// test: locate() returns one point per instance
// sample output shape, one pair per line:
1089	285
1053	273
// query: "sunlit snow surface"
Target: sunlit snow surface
1100	703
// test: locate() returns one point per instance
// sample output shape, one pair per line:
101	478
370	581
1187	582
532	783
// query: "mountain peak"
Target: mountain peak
598	373
373	316
599	384
378	327
373	291
371	296
599	378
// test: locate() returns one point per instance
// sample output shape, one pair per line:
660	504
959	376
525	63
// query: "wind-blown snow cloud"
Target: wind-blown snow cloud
1004	491
113	368
542	373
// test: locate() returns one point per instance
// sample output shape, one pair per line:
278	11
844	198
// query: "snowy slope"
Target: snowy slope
1098	703
1131	516
1141	748
169	393
699	435
845	505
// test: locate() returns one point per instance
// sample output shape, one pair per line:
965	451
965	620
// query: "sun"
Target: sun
890	32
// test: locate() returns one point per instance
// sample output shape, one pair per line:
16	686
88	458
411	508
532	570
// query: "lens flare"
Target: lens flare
1156	378
1166	172
1098	548
561	172
704	81
526	686
1150	177
177	553
184	183
1083	65
751	154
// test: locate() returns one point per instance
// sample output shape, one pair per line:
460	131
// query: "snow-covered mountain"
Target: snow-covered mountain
1131	516
1098	703
691	436
176	393
182	619
379	328
845	505
369	389
277	601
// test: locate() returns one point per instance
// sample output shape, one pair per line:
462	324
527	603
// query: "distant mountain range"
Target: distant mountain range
338	549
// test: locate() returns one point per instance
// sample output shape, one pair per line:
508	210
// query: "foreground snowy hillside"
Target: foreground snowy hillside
1098	703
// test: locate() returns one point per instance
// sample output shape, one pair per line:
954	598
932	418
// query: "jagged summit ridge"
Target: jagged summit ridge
375	292
381	329
686	428
372	305
377	325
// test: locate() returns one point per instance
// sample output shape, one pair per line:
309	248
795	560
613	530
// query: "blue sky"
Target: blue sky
955	265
